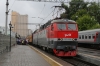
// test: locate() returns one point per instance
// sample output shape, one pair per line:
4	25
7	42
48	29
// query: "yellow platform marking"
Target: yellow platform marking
48	59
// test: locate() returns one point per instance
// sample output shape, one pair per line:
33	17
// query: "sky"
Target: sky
32	9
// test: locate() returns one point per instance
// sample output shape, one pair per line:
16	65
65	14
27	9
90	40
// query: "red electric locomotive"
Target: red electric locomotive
59	36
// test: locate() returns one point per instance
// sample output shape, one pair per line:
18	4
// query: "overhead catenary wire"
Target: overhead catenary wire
11	5
53	13
46	17
57	12
42	10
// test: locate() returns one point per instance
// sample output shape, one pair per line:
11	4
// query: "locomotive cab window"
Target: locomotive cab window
61	26
52	28
71	26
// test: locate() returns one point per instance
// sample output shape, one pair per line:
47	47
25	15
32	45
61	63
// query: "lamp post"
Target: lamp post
7	3
10	26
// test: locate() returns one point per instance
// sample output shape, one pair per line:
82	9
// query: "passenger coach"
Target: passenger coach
59	36
89	38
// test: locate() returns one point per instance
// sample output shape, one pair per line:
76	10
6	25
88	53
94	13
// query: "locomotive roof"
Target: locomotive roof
55	20
93	30
63	20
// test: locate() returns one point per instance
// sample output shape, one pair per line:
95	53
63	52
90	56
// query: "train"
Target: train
89	38
29	38
58	36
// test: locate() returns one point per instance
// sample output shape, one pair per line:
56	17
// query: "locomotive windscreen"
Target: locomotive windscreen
71	26
66	26
61	26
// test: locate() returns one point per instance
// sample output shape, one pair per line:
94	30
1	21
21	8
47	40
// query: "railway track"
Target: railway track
93	52
91	49
77	61
89	46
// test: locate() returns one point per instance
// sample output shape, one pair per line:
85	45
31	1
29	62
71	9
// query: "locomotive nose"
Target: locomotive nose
69	48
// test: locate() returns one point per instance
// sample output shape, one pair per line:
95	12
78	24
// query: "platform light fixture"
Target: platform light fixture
10	26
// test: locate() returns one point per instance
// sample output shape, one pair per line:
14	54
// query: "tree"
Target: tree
95	26
73	7
78	14
86	22
85	14
94	10
66	13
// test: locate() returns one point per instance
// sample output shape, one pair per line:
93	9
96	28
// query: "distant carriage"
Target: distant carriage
89	38
29	39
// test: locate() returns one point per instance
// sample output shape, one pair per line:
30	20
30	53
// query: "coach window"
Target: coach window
89	36
93	36
79	36
82	36
85	36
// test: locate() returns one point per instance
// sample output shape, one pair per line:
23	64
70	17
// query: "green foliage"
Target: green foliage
78	14
63	15
94	10
85	14
86	22
74	6
95	26
66	13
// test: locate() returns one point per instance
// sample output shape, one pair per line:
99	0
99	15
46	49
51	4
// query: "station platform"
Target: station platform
22	55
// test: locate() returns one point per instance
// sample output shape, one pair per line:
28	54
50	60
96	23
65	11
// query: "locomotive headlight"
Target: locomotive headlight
60	39
74	39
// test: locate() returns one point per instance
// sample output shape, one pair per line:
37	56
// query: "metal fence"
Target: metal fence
5	43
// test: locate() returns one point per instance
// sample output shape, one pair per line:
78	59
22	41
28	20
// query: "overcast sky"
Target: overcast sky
31	8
